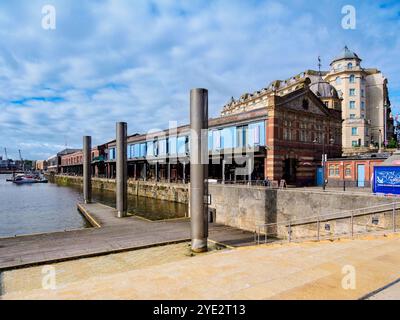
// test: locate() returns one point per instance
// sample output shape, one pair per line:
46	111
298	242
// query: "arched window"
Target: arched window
338	80
352	78
349	65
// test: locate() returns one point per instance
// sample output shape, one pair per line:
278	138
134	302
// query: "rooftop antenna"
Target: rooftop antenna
319	66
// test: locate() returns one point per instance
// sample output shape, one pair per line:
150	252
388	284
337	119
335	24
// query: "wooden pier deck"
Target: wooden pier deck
110	235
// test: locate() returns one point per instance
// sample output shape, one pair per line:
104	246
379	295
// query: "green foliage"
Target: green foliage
392	144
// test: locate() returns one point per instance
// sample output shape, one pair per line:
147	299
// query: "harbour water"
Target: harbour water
39	208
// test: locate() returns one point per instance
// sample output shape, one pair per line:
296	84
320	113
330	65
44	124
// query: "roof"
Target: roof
393	160
323	89
346	54
365	156
67	151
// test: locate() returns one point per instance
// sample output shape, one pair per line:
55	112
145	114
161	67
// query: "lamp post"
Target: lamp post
324	156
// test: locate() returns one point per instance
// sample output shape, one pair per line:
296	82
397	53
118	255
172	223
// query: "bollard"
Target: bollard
121	170
87	176
198	169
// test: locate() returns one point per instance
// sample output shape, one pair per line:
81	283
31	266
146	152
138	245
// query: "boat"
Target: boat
29	179
25	179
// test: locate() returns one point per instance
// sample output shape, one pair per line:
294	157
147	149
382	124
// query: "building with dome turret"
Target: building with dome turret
366	112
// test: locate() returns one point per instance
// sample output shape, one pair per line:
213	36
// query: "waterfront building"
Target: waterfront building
72	163
41	165
279	132
54	162
366	109
353	171
284	133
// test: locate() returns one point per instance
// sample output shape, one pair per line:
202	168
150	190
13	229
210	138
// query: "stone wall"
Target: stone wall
163	191
244	207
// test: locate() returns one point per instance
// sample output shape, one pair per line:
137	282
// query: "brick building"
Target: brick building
283	129
354	171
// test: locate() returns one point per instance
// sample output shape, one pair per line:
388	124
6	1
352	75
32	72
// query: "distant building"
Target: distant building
367	117
41	165
72	163
54	162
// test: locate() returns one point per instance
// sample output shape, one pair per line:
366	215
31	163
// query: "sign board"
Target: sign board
207	199
386	180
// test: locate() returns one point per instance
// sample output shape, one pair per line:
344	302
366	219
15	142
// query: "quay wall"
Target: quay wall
244	207
175	192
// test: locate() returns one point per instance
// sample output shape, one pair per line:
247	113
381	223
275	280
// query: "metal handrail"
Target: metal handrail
348	214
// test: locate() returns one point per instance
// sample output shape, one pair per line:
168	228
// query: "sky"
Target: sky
136	60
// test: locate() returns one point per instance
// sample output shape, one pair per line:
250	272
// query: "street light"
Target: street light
331	141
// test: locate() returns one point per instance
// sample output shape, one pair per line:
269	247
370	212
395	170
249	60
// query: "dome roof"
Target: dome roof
346	54
323	89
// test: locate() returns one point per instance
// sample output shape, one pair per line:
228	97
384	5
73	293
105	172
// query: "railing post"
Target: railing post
290	232
266	234
352	224
394	217
318	227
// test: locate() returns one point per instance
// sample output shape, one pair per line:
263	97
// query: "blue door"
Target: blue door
320	176
361	175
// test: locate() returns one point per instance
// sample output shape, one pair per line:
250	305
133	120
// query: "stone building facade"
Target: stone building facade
366	111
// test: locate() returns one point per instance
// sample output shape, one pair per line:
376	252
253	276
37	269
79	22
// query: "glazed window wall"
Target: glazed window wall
249	135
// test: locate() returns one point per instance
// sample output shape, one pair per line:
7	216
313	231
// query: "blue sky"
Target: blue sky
136	61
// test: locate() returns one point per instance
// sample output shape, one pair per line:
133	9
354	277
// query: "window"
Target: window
352	116
352	104
241	136
150	149
227	136
352	79
182	144
352	92
112	154
216	134
362	116
362	105
362	92
347	171
334	170
172	146
338	80
136	151
256	134
142	149
354	131
349	65
354	143
162	147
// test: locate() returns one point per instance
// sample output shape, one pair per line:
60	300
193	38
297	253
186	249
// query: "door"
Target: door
361	175
320	176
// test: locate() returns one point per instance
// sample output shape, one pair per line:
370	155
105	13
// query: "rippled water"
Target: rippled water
37	208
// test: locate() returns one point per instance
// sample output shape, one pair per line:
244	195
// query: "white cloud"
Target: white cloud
136	61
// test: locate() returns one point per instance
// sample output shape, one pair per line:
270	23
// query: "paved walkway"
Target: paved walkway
325	270
114	235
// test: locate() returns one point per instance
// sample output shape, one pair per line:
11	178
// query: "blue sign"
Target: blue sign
386	180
